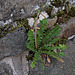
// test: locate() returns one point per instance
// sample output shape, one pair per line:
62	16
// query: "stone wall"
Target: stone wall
13	49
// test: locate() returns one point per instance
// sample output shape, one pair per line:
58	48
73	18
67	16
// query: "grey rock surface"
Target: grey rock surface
13	43
19	8
68	28
14	65
56	67
15	9
5	69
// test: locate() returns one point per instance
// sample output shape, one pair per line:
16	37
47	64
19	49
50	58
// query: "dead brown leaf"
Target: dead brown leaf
47	65
48	59
55	50
61	60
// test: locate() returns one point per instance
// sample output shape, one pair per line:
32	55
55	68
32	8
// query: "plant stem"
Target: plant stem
36	31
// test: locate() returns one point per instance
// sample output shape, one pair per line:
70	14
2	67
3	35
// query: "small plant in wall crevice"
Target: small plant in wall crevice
42	41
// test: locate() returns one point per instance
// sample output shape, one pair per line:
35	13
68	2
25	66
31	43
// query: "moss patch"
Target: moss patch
6	29
35	15
9	28
65	16
23	22
58	3
30	56
72	12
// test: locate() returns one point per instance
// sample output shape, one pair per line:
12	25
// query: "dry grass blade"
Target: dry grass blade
61	60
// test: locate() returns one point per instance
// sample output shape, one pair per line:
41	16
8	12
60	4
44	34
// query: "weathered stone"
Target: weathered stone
51	22
15	9
68	29
19	8
14	65
21	64
13	43
5	69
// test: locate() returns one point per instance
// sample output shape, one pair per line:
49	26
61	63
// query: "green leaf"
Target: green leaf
53	56
54	40
57	54
55	47
62	47
30	47
32	65
39	11
36	55
61	54
43	66
53	32
44	21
